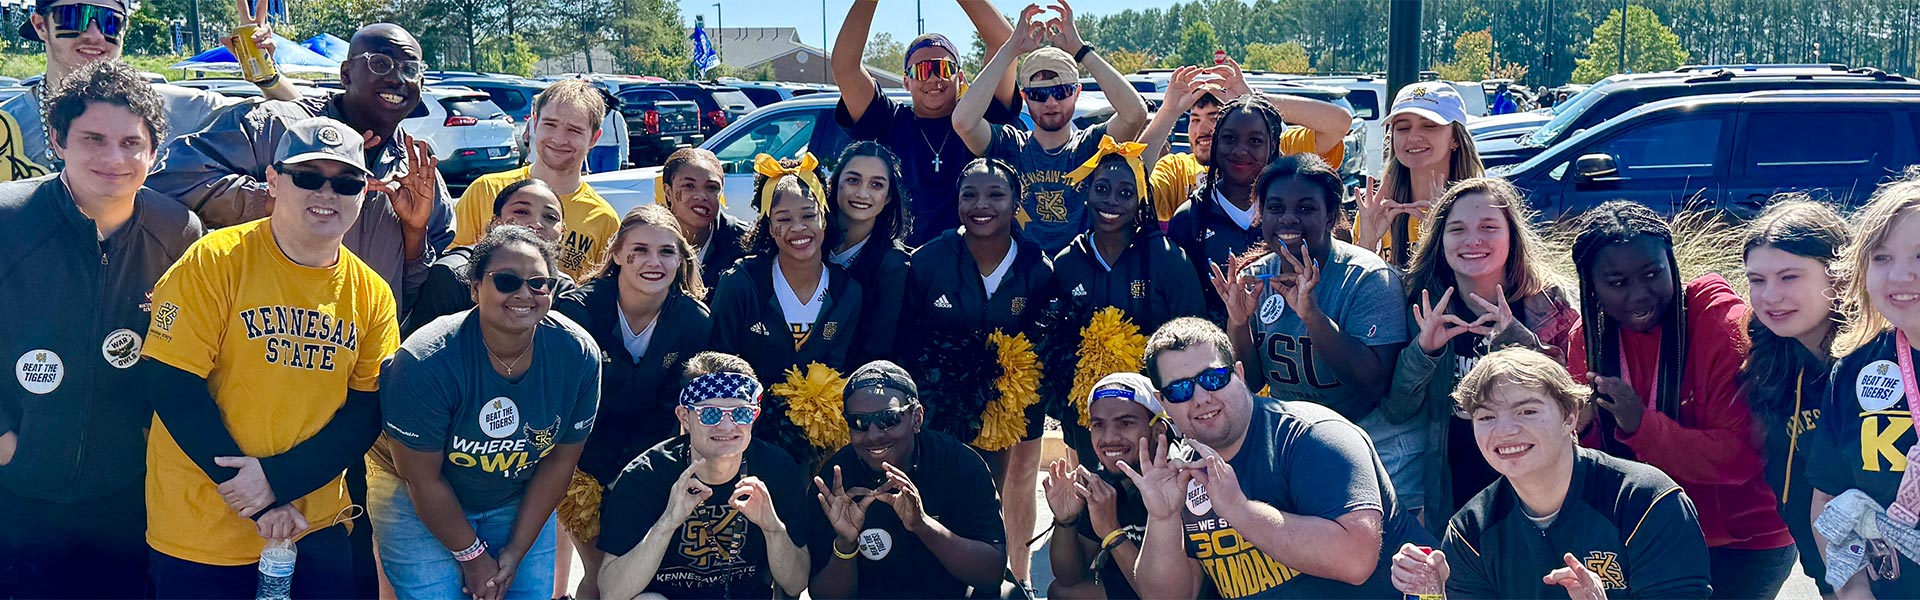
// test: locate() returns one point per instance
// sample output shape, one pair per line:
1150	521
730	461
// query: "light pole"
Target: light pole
720	40
826	73
919	19
1623	36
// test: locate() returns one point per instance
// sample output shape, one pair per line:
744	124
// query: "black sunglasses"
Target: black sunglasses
886	419
1057	92
1212	380
345	185
71	20
508	283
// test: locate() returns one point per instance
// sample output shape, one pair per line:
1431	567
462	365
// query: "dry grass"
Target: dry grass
1703	242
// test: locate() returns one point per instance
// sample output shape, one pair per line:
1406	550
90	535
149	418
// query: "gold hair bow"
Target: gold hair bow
1128	150
770	167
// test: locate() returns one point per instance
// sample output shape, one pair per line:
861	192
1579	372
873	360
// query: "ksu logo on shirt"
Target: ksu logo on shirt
298	337
1607	566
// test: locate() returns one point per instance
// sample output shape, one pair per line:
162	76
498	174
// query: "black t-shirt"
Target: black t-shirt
1133	520
1790	441
955	489
718	552
1627	521
1470	470
1865	430
931	156
1303	459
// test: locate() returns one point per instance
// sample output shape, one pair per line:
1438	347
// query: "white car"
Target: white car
468	133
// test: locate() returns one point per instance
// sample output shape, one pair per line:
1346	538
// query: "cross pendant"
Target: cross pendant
936	163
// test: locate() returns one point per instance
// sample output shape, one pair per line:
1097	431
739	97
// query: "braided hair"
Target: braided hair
1620	222
1799	226
1257	105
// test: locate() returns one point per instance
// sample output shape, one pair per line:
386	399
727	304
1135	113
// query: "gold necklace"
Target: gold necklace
516	360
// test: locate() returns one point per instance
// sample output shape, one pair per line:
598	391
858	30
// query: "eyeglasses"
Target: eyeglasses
345	185
1057	92
741	415
886	419
69	21
381	64
508	283
933	68
1212	380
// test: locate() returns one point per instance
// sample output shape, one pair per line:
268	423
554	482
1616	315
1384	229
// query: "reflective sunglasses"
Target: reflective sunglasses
1212	380
886	419
933	68
71	20
741	415
381	64
1057	92
345	185
508	283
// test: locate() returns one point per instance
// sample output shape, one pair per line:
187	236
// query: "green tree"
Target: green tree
1651	46
148	34
884	53
1289	57
510	54
649	39
1472	57
1128	61
1197	44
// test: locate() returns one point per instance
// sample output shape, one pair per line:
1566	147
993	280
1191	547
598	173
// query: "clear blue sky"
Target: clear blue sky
894	16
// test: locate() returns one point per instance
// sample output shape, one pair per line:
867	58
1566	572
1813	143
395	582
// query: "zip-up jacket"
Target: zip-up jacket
882	273
1626	521
748	323
1203	229
77	312
945	291
1152	281
723	249
637	393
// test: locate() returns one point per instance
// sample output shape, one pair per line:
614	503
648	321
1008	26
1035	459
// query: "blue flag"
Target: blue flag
704	56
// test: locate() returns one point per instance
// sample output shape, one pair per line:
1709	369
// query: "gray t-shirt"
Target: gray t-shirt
1052	211
1363	296
187	110
440	393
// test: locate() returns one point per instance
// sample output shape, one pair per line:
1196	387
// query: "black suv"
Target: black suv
1731	152
1621	93
719	104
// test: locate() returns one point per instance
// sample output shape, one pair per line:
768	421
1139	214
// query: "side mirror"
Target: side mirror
1595	166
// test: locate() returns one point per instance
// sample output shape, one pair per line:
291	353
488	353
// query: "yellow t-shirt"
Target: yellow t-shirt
591	221
1175	174
279	344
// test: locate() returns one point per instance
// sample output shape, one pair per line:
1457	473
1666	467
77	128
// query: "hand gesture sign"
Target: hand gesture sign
1496	316
1062	498
688	492
1161	480
1065	35
1581	583
1297	283
900	493
1029	34
1237	289
1616	396
750	497
1438	325
1213	472
1103	505
414	193
1418	571
1182	90
846	513
1232	81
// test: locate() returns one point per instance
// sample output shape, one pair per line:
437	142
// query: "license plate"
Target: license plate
670	139
497	152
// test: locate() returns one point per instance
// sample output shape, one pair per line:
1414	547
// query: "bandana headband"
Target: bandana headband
770	167
714	386
1127	150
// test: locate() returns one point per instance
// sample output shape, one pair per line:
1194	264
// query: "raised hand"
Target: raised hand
1065	501
900	493
1103	505
1232	80
414	193
846	513
1581	583
1161	481
254	14
1213	472
687	493
1239	291
1437	325
751	498
1028	34
1297	284
1420	572
247	492
1065	35
1182	91
1616	396
1498	316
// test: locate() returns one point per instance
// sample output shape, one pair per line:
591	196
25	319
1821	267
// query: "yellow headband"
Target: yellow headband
770	167
1127	150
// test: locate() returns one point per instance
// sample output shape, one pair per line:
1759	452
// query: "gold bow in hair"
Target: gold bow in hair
770	167
1129	150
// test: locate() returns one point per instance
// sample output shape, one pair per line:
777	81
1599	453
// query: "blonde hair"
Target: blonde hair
657	216
1462	164
1872	224
1523	367
578	93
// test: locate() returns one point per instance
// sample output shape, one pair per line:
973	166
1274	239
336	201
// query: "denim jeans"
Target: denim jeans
419	566
323	569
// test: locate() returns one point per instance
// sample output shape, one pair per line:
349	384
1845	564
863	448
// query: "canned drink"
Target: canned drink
255	65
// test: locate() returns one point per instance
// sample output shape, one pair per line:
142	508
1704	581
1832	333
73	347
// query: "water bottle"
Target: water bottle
276	570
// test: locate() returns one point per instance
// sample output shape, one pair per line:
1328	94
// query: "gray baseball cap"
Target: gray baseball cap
321	138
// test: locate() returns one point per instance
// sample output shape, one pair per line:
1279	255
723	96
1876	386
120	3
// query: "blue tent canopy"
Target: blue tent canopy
290	57
328	45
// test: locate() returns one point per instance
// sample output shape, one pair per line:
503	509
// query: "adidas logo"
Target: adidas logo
1080	290
759	328
942	302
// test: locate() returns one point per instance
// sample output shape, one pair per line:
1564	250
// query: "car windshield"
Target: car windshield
732	99
1569	112
478	107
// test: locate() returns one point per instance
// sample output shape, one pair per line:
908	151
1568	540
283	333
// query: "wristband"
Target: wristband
1113	538
1080	56
848	555
473	551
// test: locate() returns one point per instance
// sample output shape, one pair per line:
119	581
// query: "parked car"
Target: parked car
468	133
514	95
1367	94
1729	151
658	123
763	93
719	104
1511	125
1621	93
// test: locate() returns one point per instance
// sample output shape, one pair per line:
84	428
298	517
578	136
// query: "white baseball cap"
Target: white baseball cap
1435	101
1133	387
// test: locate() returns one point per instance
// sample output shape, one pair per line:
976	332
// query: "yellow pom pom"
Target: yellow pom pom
1005	420
1110	343
580	508
814	403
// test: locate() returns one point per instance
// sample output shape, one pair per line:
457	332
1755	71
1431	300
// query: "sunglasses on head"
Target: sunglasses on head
741	415
381	64
507	282
345	185
933	68
71	20
1057	92
1212	380
886	419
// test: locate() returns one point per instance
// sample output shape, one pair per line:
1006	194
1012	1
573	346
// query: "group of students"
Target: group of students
1404	398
